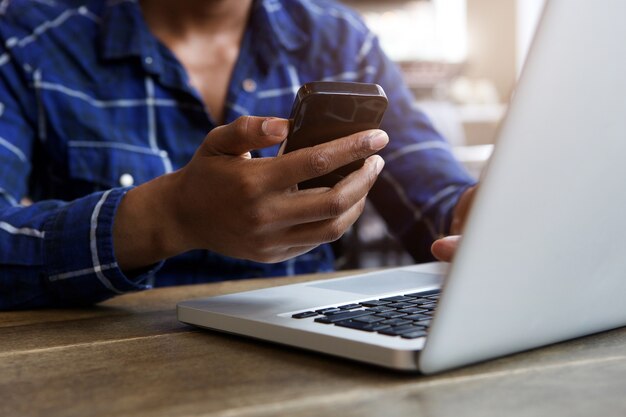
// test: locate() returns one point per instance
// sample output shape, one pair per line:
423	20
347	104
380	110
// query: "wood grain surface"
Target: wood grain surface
130	357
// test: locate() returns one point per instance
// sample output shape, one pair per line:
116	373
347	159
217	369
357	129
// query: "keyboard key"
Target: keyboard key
368	319
413	310
328	310
380	309
400	298
323	320
416	317
413	335
350	306
396	331
390	314
400	305
331	313
431	306
374	303
424	293
304	315
367	327
421	301
397	322
378	326
425	323
334	318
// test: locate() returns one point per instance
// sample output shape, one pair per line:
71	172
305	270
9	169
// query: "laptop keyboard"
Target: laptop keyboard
407	316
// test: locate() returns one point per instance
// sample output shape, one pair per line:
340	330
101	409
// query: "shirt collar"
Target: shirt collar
275	19
275	32
124	32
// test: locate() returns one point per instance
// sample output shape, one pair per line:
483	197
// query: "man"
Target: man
104	108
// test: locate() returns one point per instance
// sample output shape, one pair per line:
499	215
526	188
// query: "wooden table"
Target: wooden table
131	357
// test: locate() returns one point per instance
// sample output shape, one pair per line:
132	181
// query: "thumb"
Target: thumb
245	134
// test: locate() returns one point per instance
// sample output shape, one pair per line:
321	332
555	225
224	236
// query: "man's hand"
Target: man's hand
230	203
445	248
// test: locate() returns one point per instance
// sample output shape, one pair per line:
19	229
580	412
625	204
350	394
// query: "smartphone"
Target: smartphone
324	111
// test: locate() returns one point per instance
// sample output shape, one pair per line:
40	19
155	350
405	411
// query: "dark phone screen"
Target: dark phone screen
321	117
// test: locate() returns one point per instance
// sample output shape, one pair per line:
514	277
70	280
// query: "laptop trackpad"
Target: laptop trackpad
383	282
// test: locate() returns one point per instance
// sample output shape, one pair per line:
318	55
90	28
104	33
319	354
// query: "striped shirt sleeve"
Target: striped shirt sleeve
52	253
422	181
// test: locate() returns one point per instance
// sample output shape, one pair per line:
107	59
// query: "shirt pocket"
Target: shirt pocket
104	165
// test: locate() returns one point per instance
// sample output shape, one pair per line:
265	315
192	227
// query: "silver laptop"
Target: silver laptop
543	258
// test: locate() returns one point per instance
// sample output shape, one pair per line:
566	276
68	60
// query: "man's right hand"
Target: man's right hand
244	207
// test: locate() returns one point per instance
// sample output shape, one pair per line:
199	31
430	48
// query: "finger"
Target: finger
445	248
307	163
245	134
324	231
292	252
318	204
304	237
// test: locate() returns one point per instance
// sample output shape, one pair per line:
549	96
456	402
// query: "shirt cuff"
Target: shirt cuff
82	268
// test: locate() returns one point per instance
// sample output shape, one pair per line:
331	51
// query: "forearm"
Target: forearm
57	253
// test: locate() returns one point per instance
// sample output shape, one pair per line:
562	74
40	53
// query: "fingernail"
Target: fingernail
377	140
275	127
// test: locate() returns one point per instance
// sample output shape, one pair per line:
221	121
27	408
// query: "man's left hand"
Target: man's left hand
445	248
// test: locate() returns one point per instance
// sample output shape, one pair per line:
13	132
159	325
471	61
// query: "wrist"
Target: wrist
145	229
459	214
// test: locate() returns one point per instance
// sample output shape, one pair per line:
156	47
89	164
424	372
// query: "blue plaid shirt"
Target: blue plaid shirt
92	103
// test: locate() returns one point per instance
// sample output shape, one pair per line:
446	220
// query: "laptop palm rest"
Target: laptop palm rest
382	282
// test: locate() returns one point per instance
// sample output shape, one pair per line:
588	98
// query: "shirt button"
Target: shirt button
249	85
126	180
148	60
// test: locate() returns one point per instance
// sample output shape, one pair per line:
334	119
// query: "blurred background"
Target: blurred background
461	59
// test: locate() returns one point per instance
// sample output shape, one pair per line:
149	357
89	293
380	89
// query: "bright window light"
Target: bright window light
433	30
